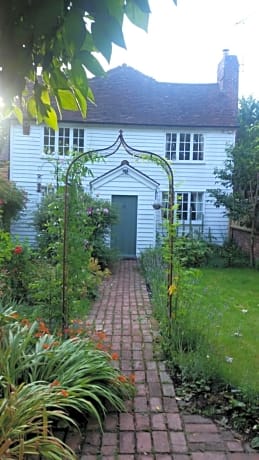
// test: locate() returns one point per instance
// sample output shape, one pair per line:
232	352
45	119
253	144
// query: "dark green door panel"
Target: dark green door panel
124	233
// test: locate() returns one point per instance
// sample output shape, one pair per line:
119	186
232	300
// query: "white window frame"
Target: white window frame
184	146
63	141
190	209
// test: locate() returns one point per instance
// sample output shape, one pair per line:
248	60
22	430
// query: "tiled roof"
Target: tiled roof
126	96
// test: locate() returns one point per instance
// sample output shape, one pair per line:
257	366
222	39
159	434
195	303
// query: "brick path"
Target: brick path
152	428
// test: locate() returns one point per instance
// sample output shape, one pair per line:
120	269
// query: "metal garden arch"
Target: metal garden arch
105	152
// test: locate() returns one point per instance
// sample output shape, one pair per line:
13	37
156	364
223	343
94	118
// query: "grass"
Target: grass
228	307
211	343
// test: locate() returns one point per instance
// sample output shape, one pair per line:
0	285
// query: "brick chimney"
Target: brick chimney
228	70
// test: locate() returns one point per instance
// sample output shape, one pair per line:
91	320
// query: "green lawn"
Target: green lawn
228	308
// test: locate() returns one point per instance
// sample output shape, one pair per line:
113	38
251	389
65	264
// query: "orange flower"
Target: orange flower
25	322
55	383
132	378
115	356
38	334
122	378
15	315
64	393
99	346
46	346
43	327
101	335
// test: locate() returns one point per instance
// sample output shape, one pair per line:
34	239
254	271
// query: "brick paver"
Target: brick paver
152	428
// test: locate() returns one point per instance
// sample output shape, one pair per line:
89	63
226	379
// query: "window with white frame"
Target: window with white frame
165	205
63	141
184	146
189	206
78	140
49	140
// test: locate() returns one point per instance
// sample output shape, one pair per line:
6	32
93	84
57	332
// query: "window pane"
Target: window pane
49	140
78	140
198	146
182	206
170	152
63	141
165	205
185	146
196	205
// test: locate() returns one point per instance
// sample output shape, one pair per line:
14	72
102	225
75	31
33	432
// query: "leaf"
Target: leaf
58	79
137	16
45	96
18	113
91	63
255	442
115	8
107	30
236	404
90	95
66	100
81	101
31	107
143	5
51	119
101	41
78	76
74	31
88	44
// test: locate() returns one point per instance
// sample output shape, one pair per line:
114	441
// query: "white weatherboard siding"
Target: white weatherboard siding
27	161
132	184
25	152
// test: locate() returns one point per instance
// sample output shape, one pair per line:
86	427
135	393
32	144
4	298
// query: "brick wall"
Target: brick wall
242	236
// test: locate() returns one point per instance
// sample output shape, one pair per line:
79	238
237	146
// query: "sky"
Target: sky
184	44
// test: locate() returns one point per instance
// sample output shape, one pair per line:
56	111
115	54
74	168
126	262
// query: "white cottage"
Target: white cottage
190	125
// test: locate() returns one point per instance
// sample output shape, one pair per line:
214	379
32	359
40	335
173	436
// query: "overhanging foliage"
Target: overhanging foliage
59	38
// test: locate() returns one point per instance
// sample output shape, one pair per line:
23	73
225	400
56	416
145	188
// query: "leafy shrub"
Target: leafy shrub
191	252
197	252
152	267
88	224
45	289
92	222
6	247
15	268
228	255
12	201
20	269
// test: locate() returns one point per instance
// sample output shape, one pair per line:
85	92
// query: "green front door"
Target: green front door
124	233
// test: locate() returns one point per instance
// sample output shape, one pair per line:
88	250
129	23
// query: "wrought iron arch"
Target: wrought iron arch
106	152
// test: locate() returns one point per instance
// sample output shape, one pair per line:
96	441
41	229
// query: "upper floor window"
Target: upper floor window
189	206
49	140
184	146
63	141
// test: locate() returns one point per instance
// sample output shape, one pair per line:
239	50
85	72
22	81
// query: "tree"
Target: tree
49	45
240	175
